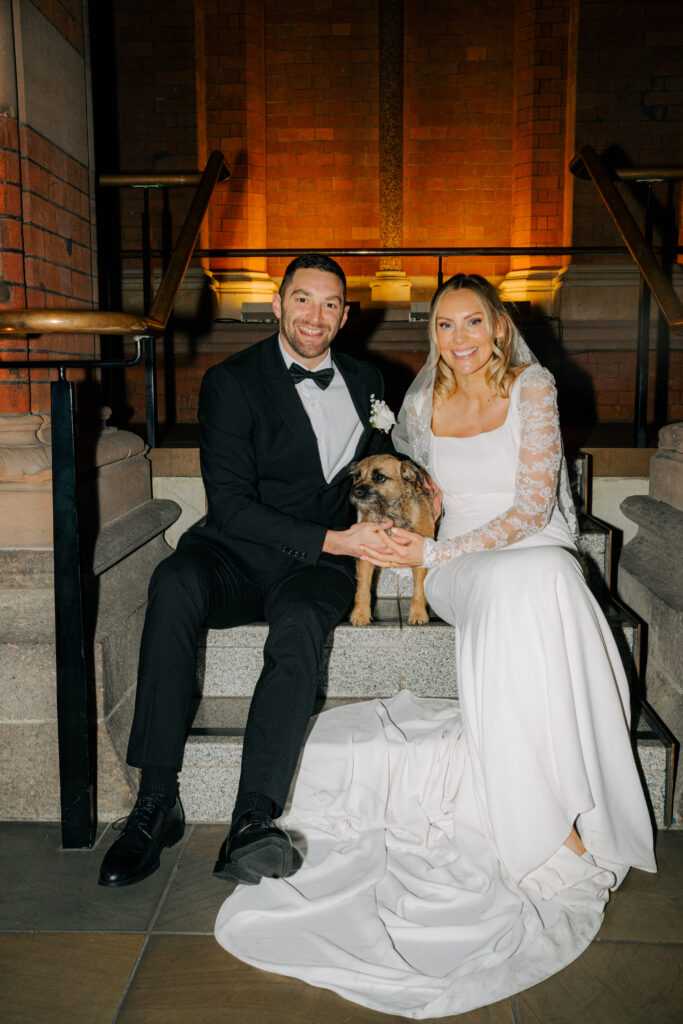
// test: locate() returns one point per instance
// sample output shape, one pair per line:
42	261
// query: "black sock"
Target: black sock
159	782
254	802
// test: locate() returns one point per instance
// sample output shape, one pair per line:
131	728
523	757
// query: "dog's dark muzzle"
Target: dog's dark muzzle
360	492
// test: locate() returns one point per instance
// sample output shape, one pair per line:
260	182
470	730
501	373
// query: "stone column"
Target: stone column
650	582
544	100
390	285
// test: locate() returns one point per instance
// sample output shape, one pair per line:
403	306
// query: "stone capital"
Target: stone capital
233	287
113	476
535	285
666	467
390	287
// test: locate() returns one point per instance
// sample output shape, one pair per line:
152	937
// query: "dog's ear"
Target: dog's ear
353	469
411	472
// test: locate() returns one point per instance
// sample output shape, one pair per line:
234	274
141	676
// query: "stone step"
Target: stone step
595	551
359	664
229	661
371	661
210	775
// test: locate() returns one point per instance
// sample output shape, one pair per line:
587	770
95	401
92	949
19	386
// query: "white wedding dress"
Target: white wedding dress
435	879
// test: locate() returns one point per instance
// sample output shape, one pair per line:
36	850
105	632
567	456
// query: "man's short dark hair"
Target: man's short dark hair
313	261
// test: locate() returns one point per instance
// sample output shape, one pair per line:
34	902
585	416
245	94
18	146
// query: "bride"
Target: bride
458	852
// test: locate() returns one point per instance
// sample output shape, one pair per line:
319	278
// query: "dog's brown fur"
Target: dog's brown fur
386	488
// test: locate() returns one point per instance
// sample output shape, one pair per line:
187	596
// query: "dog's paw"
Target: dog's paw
360	617
418	617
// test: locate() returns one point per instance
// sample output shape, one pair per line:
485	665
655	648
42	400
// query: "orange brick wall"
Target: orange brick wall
458	130
493	98
540	107
291	96
322	126
235	124
15	393
46	257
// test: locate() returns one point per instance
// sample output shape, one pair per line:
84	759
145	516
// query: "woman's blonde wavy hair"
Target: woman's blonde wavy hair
501	329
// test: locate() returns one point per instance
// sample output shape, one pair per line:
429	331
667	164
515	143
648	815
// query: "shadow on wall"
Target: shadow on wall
575	390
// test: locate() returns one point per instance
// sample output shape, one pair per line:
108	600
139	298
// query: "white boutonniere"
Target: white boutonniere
381	416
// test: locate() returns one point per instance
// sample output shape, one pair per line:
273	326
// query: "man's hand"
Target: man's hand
359	540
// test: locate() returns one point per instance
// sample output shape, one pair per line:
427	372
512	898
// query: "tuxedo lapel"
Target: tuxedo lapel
285	402
287	405
361	400
359	395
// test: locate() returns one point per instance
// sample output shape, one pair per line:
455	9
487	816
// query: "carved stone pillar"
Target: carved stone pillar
390	285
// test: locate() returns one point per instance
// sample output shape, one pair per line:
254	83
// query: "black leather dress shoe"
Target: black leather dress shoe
254	849
148	829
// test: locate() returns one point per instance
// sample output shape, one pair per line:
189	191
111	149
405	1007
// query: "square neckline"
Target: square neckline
482	433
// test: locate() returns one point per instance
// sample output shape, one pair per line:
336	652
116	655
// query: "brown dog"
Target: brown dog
386	488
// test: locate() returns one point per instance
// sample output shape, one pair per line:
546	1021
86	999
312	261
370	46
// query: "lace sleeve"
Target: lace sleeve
540	455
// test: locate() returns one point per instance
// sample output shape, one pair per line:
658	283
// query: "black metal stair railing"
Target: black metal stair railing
77	775
653	280
77	758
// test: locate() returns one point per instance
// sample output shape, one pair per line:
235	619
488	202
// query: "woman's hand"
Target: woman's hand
406	547
358	539
435	495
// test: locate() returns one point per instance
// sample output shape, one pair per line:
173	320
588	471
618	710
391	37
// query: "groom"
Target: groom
280	423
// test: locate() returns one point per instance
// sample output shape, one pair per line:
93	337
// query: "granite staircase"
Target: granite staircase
378	661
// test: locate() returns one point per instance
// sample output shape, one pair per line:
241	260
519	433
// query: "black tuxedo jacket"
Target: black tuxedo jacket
268	501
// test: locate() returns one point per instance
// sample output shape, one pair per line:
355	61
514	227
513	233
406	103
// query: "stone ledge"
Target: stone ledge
656	517
124	535
211	769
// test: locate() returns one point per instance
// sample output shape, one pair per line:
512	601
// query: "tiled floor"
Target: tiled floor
72	951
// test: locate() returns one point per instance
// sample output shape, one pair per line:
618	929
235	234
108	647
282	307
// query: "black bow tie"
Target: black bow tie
322	378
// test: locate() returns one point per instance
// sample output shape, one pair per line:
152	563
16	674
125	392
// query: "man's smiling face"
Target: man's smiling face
311	312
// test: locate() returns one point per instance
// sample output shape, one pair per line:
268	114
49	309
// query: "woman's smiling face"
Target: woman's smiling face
461	332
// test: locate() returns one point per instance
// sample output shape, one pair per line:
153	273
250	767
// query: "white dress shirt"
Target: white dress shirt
332	414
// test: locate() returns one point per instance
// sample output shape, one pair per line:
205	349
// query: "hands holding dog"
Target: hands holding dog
359	538
406	549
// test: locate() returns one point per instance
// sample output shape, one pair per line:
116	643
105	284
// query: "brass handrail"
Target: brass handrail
435	251
141	179
659	284
656	173
87	321
74	321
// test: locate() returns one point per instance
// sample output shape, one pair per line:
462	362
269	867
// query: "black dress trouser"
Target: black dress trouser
198	587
